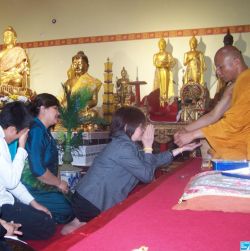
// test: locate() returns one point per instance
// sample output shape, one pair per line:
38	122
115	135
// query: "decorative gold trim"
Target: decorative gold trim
137	36
165	130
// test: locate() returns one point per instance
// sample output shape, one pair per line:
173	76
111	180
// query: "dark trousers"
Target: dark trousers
4	246
57	204
83	209
36	225
7	244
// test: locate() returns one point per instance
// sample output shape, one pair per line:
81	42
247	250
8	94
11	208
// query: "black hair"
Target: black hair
44	99
128	116
15	114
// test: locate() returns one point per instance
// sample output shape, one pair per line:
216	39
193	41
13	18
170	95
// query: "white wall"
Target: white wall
80	18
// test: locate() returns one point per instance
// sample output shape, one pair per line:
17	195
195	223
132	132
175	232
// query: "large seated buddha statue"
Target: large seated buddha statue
78	77
14	67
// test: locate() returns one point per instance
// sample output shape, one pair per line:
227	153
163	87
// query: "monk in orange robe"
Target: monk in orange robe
229	133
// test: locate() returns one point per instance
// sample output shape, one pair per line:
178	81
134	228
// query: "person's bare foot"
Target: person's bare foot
72	226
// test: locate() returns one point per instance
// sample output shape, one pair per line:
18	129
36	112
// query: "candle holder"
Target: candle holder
108	66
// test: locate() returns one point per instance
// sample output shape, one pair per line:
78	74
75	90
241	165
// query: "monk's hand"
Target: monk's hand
178	133
182	130
182	139
176	136
191	146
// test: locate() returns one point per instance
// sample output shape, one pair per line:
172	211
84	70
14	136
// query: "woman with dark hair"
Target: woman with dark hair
119	167
40	174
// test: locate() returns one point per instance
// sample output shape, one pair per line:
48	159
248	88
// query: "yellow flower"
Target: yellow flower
13	97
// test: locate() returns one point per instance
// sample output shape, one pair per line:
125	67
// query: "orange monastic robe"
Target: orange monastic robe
230	136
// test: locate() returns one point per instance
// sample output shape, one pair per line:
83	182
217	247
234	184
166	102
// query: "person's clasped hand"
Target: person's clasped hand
11	228
63	186
148	136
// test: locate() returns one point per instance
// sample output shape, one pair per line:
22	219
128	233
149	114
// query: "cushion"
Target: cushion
215	192
215	203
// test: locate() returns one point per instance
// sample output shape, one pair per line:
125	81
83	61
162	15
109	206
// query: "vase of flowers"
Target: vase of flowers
71	120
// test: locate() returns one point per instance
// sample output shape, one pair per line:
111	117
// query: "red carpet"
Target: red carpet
146	219
40	245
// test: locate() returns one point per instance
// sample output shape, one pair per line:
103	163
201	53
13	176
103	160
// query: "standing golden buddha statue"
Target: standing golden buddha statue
79	78
164	62
14	66
195	64
194	94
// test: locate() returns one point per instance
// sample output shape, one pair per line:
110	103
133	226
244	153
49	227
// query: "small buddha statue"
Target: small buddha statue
79	78
164	62
195	64
124	92
14	66
228	39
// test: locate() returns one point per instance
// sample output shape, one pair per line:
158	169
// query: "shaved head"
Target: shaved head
229	51
229	63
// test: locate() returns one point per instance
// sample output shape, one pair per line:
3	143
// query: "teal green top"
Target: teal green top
13	148
42	155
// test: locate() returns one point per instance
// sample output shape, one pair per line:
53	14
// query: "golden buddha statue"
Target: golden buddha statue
124	92
164	62
14	66
195	64
79	78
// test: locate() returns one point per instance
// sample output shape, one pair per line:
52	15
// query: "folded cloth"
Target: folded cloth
213	191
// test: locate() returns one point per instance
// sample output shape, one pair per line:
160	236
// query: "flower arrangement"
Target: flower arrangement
11	98
71	120
74	122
